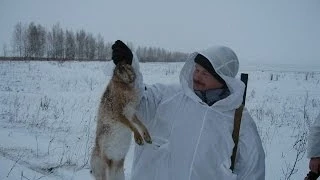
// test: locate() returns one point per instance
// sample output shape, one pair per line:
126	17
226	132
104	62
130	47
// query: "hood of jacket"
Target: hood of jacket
226	64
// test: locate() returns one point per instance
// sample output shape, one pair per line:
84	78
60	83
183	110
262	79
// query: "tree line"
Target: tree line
33	41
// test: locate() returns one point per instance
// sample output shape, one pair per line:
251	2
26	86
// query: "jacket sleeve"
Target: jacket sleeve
250	158
150	96
314	139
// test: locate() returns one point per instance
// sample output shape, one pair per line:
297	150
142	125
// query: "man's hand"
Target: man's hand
314	164
121	52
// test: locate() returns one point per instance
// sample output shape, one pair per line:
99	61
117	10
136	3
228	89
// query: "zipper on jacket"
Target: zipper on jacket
197	144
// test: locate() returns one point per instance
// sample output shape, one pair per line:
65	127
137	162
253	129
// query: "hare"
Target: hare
116	122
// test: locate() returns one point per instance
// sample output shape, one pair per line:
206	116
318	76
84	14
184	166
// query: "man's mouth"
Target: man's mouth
198	83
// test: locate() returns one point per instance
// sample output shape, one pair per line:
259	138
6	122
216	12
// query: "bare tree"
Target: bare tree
5	50
57	41
32	36
80	44
100	47
93	47
70	45
90	46
17	39
20	40
49	47
142	53
36	40
108	50
41	45
25	42
300	148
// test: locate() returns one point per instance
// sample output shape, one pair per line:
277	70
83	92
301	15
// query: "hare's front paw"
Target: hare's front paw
138	138
147	137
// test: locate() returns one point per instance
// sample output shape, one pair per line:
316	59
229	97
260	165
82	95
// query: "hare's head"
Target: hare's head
124	73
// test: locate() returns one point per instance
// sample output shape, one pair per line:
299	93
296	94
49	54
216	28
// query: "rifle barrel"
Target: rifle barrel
244	79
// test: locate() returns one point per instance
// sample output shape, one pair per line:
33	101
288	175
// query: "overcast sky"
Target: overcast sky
273	31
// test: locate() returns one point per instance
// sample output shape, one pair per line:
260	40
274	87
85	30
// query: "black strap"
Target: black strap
237	121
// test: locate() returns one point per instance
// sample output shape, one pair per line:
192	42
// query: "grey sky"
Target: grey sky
274	31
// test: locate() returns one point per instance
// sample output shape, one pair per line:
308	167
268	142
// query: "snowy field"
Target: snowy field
48	115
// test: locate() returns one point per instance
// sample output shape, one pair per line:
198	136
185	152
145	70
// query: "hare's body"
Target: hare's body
116	116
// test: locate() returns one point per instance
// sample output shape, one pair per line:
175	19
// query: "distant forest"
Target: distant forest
35	42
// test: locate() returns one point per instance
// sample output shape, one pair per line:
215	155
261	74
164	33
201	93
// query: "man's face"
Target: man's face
203	80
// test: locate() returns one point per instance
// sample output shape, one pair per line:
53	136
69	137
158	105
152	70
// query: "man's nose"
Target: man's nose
197	76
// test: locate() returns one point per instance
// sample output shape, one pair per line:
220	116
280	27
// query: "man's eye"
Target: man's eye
205	74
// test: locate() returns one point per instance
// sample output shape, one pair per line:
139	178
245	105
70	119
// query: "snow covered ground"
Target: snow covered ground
48	115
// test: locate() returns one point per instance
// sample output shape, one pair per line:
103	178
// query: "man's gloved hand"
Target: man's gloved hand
121	52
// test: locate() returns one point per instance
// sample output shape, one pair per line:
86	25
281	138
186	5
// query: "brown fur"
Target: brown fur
116	122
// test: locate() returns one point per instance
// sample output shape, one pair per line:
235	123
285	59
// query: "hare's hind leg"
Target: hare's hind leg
146	134
117	170
98	166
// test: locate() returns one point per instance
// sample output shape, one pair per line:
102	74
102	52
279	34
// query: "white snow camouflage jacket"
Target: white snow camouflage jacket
191	140
314	139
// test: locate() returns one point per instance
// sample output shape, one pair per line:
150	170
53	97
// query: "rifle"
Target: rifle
312	176
237	121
